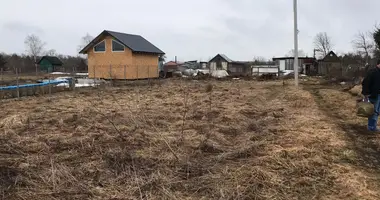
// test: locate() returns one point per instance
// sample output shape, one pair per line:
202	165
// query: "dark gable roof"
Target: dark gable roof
331	57
134	42
224	57
52	59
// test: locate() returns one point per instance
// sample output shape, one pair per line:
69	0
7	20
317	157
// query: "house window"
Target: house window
232	69
219	65
116	46
289	64
100	47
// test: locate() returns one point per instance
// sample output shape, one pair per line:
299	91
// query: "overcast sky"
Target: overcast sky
191	29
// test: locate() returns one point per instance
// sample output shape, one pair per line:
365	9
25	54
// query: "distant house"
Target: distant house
172	64
306	65
331	64
49	63
169	68
219	62
122	56
260	68
234	68
240	68
203	65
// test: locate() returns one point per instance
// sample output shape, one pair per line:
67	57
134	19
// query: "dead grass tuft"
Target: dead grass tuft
14	123
209	147
229	131
209	87
254	127
357	90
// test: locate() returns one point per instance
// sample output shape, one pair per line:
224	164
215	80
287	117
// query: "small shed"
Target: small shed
306	65
203	65
49	63
239	68
234	68
330	65
219	62
168	68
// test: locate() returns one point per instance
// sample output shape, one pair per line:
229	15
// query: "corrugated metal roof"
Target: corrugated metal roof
135	42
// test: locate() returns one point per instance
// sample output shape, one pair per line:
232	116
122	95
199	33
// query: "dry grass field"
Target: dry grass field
11	79
180	139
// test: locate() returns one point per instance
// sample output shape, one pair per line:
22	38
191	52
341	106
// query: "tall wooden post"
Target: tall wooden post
112	83
137	72
148	75
49	88
18	86
125	74
2	78
94	77
258	71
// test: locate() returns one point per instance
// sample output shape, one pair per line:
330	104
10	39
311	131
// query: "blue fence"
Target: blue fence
52	82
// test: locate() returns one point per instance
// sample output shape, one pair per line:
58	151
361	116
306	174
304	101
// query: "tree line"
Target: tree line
366	48
35	49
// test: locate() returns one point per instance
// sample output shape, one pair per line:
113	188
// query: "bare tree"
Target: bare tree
291	53
85	40
51	52
2	61
259	59
363	45
162	58
34	47
322	43
376	38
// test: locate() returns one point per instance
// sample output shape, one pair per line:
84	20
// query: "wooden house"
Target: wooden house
234	68
169	68
114	55
330	65
240	68
203	65
219	62
306	65
49	63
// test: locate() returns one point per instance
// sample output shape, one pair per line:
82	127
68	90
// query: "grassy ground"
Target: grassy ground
188	140
11	79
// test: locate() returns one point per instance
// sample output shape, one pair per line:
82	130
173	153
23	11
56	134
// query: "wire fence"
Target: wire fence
14	84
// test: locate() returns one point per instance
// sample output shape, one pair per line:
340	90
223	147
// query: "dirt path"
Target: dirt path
360	153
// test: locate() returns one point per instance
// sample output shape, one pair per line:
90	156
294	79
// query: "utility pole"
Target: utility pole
295	43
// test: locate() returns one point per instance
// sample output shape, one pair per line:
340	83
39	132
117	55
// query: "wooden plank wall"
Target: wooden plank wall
121	65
